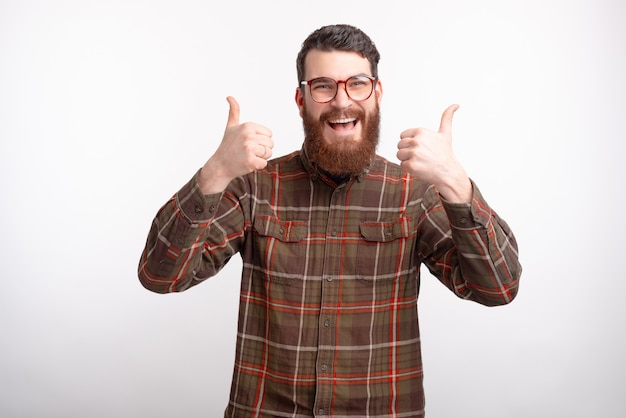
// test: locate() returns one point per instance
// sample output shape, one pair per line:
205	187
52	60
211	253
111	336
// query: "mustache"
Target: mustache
339	114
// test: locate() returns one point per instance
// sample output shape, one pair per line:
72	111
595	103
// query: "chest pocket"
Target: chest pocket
280	248
385	250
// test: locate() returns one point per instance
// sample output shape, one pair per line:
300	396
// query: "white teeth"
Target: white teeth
345	120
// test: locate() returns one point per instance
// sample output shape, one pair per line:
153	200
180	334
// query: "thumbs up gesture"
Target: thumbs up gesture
244	148
428	156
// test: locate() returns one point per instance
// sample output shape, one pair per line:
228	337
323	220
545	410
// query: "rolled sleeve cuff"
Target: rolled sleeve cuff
196	207
474	214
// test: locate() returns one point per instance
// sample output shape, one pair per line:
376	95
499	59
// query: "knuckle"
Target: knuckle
248	146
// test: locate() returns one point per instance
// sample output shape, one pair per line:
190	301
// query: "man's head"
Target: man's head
338	97
339	38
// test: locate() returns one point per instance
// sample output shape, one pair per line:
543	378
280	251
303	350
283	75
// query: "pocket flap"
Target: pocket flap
286	231
386	231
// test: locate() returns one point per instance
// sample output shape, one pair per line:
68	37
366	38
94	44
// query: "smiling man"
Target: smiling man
341	125
332	238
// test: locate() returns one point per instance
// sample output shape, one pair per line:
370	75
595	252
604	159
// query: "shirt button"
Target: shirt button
463	220
327	323
329	278
334	233
324	367
282	231
212	208
198	209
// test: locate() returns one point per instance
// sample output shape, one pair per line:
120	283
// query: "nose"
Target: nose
341	100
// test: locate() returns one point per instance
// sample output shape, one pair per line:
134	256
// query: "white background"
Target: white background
108	107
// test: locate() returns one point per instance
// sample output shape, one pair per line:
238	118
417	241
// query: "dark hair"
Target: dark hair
342	38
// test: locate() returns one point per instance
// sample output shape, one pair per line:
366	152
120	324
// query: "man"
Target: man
332	238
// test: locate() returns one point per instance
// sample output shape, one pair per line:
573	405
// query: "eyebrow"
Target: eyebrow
354	75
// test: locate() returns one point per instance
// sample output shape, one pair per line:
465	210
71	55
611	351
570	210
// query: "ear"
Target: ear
299	97
378	89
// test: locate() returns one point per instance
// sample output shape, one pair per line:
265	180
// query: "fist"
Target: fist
245	148
428	156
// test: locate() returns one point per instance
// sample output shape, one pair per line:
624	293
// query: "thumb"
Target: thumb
233	112
446	119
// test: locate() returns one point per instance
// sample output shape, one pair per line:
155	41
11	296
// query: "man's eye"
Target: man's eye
322	86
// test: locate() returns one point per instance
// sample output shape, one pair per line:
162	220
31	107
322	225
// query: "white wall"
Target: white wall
107	107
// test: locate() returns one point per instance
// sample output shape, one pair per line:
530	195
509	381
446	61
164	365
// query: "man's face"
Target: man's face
341	135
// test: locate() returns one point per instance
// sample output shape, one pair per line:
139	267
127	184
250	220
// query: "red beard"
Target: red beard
341	158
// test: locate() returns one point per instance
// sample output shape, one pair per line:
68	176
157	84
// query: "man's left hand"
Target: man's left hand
428	156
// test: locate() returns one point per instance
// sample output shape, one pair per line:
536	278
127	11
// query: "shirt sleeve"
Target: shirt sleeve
477	255
173	258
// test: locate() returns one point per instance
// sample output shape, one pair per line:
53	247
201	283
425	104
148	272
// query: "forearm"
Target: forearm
173	252
482	264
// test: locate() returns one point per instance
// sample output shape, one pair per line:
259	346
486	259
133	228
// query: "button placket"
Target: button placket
329	305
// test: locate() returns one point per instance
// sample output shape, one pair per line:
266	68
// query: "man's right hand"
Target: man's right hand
244	148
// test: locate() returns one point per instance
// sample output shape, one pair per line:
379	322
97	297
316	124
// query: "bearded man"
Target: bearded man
332	238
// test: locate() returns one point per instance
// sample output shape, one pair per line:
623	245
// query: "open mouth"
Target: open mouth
342	124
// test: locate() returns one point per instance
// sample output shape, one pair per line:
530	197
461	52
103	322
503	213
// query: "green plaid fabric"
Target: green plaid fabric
328	322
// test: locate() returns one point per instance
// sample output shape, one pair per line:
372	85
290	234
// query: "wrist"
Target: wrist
456	189
211	180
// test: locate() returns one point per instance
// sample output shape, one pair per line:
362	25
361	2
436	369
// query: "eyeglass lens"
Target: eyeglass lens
325	89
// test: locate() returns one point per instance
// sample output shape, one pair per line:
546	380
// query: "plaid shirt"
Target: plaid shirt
328	323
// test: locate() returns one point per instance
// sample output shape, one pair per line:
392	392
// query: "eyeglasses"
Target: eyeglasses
324	89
